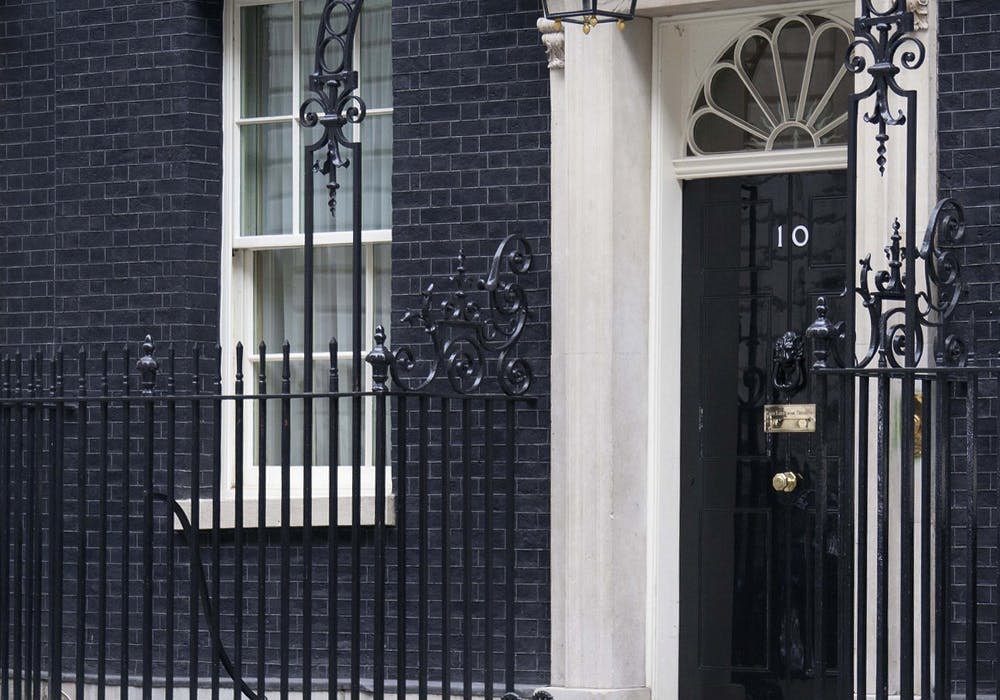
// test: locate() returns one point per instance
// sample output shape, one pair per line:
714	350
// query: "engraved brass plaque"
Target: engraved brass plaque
790	418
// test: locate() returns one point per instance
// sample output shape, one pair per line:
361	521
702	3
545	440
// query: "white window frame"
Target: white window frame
237	312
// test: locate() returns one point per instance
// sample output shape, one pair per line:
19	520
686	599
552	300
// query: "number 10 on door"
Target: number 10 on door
800	236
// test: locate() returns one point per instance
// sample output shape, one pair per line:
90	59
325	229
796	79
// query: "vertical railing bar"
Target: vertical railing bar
238	526
171	467
307	506
56	504
36	557
82	498
333	568
845	515
261	514
356	427
926	493
423	547
308	228
488	544
910	358
286	494
511	525
972	537
445	550
37	567
11	670
378	670
996	609
123	671
195	556
6	548
29	554
861	677
148	379
861	484
20	546
22	532
996	603
307	529
819	531
942	504
467	547
401	509
102	529
907	544
882	540
216	607
357	274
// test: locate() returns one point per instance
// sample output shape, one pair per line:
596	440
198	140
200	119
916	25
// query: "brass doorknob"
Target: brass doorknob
785	482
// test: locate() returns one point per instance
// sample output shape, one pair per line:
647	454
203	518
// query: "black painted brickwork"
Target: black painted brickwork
969	162
26	171
111	152
471	166
110	186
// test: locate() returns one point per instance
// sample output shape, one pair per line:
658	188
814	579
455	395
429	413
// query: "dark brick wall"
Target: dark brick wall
470	166
112	161
27	111
969	162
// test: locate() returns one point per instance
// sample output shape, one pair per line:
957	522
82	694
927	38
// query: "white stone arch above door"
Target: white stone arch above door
690	48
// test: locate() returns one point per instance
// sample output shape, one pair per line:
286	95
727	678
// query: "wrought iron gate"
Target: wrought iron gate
903	425
159	533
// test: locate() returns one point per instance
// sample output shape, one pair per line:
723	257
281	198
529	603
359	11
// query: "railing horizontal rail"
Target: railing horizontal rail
139	399
101	588
915	372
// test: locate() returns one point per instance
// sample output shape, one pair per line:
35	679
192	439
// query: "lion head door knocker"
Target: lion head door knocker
788	365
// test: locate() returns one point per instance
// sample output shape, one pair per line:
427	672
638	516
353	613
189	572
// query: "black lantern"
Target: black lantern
590	13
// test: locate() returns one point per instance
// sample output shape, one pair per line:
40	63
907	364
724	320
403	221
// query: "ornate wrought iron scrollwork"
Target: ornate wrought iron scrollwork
883	295
464	332
885	35
332	103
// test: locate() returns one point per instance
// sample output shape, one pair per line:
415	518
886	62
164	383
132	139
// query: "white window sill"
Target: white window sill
272	505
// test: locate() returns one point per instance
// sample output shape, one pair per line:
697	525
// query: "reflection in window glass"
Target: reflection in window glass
266	197
266	68
273	49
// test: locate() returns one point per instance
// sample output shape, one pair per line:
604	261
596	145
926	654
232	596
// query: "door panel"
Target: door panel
758	571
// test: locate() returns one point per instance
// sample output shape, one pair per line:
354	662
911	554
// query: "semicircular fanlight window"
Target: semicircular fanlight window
781	85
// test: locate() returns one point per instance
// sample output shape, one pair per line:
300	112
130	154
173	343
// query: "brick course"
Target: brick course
969	171
470	166
110	206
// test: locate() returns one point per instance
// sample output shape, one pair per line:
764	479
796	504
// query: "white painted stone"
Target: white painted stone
920	9
554	41
600	319
600	230
598	694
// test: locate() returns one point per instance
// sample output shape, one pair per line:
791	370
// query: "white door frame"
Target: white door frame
615	220
674	88
671	96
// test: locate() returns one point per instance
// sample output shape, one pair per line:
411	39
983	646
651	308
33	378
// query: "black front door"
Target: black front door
758	571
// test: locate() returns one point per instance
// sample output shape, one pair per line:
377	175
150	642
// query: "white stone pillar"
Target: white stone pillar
600	292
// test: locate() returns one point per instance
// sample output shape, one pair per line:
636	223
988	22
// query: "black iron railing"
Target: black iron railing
902	435
144	546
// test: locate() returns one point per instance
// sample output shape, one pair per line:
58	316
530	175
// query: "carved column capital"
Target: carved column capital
919	8
554	41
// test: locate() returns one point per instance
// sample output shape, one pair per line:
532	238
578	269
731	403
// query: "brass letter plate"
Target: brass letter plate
790	418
